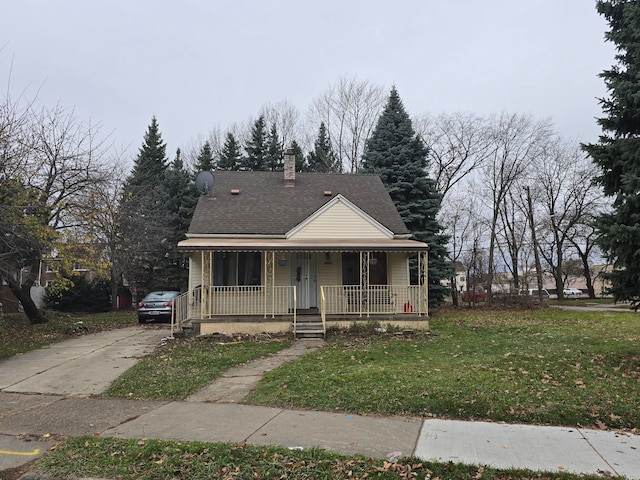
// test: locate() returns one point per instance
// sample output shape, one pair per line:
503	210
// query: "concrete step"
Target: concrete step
309	328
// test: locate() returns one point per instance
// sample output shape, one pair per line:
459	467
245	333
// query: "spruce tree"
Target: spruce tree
299	156
322	159
274	161
231	154
143	221
151	163
173	271
617	152
205	161
399	157
256	148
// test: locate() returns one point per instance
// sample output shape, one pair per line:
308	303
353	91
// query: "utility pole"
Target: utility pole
535	245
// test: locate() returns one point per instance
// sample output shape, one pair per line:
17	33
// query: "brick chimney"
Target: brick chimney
289	168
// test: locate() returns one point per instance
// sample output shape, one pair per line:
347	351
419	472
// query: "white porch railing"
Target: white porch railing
375	300
210	301
213	301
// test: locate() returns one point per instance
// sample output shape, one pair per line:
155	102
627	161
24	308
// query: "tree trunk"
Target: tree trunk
114	285
587	275
454	292
492	246
23	294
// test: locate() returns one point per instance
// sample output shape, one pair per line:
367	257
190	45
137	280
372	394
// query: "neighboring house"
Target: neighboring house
266	247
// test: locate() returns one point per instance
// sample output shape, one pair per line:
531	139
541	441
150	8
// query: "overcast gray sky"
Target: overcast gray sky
196	65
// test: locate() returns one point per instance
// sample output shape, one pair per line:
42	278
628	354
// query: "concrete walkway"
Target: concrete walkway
236	383
30	422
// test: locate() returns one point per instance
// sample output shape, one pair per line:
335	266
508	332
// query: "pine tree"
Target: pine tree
617	153
299	156
399	157
143	221
275	151
231	154
322	159
256	148
182	197
150	165
205	161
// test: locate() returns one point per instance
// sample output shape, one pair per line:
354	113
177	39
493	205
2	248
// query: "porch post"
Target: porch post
269	282
206	259
423	279
364	280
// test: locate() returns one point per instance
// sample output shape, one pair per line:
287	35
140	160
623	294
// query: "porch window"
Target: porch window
350	268
237	268
377	268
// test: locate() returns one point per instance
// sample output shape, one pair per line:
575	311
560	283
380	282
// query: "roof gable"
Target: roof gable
339	219
261	205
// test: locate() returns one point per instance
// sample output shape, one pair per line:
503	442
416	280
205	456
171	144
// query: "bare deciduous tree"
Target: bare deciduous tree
286	119
517	141
349	110
59	158
459	143
567	196
512	232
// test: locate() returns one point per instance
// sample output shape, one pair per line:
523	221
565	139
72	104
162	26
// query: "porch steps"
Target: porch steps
309	326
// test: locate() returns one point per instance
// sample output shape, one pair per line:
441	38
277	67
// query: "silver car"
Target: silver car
157	306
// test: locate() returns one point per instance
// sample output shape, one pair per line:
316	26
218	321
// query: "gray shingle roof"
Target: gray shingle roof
265	206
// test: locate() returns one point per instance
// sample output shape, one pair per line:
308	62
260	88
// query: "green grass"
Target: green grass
546	366
186	365
540	366
157	460
18	336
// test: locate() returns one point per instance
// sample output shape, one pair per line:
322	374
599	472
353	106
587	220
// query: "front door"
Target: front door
304	277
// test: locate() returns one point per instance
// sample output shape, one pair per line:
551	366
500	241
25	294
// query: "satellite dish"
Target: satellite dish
204	182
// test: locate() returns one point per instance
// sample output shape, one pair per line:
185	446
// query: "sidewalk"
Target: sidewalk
26	418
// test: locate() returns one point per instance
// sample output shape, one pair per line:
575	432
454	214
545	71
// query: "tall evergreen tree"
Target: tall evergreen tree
299	156
617	153
275	151
399	157
151	163
231	154
205	161
181	201
256	148
321	158
143	221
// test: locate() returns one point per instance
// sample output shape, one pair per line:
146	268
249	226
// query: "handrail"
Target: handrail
323	309
179	311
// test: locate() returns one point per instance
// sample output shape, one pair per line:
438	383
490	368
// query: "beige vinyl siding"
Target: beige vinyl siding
397	268
340	222
282	273
329	273
195	270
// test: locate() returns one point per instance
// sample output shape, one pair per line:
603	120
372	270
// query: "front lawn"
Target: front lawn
185	365
549	366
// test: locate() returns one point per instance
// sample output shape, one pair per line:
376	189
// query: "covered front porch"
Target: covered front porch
234	288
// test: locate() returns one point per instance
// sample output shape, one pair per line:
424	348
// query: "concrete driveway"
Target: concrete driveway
84	365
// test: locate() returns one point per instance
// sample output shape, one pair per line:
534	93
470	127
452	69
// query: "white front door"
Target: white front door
304	277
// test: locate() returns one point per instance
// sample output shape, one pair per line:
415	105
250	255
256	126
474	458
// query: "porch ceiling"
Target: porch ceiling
283	245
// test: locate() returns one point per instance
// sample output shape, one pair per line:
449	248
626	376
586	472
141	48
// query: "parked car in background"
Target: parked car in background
475	295
572	292
535	295
157	306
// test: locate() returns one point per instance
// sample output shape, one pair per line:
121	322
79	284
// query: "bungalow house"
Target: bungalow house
274	252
